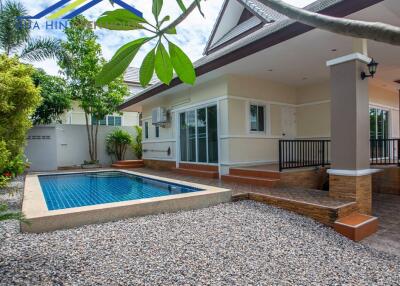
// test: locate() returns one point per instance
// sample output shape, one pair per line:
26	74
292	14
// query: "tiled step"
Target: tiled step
356	226
201	167
197	173
324	213
128	164
254	173
258	181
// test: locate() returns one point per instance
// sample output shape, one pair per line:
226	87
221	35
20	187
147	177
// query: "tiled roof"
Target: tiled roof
132	76
262	10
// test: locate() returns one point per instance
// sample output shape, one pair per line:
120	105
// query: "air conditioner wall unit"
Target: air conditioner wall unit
159	116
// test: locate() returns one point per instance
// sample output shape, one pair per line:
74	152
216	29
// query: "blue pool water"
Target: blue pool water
87	189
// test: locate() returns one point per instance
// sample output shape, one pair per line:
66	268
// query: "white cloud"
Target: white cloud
192	33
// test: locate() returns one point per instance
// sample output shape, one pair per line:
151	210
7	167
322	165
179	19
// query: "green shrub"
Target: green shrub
19	99
118	142
137	143
16	166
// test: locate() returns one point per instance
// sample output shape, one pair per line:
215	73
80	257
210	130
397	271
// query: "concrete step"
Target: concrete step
258	181
197	173
356	226
254	173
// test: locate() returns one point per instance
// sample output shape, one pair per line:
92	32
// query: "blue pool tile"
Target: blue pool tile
87	189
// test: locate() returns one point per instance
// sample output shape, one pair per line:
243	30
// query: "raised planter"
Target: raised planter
91	166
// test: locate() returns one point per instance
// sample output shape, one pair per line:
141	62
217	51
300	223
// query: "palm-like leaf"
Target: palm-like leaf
42	48
12	34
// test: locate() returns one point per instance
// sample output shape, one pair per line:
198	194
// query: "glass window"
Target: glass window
202	135
118	121
157	131
212	122
379	123
257	118
183	136
146	130
99	122
379	129
114	120
199	135
111	120
191	123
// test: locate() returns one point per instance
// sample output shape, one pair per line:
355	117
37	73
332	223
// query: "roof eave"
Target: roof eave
340	9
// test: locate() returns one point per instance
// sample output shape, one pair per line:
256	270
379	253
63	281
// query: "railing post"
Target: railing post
323	153
280	155
398	152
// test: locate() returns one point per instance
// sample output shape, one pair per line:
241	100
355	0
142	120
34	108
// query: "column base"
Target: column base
357	188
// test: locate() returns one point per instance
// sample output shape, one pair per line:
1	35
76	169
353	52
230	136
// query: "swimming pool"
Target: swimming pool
87	189
54	201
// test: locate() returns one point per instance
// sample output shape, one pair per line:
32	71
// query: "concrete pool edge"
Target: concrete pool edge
42	220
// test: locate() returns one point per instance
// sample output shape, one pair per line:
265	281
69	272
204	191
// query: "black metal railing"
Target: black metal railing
303	153
314	153
385	152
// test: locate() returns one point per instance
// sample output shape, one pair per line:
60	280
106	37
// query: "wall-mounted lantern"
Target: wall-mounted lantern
372	67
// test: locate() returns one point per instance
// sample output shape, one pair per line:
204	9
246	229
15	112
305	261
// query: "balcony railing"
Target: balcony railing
295	154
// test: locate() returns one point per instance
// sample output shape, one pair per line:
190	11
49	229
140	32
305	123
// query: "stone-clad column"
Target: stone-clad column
350	175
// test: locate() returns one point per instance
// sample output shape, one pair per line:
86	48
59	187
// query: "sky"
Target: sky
191	36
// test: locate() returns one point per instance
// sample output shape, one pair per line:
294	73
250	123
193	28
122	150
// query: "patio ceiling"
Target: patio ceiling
302	60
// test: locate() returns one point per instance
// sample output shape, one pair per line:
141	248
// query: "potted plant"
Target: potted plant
117	143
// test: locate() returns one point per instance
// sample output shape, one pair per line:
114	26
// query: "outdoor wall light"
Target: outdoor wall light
372	67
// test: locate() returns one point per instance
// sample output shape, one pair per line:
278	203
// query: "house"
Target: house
76	116
278	94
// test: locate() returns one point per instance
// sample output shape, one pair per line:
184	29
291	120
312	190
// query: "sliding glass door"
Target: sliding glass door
199	135
379	130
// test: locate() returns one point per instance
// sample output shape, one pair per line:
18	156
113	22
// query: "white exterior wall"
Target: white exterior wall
309	105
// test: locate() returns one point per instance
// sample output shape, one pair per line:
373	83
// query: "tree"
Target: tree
19	98
163	62
55	95
15	35
80	70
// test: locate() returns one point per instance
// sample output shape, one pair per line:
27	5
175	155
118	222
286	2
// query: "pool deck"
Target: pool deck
42	220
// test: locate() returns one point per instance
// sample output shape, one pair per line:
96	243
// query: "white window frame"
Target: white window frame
267	117
195	108
120	116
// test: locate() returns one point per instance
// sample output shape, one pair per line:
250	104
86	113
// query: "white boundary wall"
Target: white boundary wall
52	147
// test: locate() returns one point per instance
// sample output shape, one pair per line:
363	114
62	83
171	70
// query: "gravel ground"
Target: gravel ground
243	243
12	195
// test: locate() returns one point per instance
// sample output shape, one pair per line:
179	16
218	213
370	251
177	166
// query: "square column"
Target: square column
350	176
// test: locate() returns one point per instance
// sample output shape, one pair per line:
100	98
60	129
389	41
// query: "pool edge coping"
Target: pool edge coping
35	209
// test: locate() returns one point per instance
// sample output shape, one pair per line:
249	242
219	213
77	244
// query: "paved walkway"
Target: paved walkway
387	209
298	194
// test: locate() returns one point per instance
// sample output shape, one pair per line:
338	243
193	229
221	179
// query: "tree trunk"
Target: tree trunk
95	141
379	32
88	134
